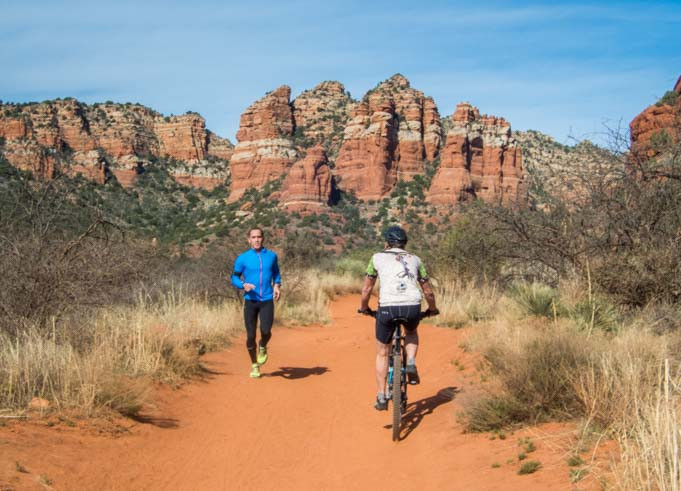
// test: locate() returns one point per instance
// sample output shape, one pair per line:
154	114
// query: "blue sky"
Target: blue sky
568	69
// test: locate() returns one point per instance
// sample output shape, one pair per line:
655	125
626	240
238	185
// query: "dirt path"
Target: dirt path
307	424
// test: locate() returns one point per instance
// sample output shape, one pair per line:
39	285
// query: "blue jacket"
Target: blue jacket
260	268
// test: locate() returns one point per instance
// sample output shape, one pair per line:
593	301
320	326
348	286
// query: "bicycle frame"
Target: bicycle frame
397	347
396	383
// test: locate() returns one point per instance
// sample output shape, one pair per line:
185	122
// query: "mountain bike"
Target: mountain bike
396	383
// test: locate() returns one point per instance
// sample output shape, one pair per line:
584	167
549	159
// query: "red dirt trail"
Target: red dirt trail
307	424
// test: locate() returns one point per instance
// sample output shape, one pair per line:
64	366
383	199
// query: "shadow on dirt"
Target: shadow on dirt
293	373
204	370
166	423
417	410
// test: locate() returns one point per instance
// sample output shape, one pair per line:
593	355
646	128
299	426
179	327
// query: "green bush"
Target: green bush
536	299
536	382
669	98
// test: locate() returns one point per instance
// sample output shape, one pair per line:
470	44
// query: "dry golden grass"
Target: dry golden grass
461	303
625	382
306	295
651	446
125	348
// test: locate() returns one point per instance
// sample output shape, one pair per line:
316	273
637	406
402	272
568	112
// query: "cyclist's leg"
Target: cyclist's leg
382	353
250	320
384	334
266	320
411	338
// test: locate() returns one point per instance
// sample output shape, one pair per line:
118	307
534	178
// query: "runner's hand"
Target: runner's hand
367	311
430	312
277	293
248	287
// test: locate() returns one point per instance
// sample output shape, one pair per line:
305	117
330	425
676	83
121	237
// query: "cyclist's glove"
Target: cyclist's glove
430	312
367	311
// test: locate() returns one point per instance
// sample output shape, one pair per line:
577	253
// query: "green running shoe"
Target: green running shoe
262	355
255	370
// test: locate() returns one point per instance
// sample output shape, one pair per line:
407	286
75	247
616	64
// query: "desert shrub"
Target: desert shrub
469	250
536	382
59	253
595	313
536	299
669	98
619	227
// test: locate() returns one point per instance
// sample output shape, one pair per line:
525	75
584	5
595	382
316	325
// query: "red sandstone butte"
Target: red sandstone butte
654	120
307	187
320	114
264	150
127	134
389	137
480	159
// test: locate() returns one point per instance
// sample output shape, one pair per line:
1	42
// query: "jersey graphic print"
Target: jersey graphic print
399	273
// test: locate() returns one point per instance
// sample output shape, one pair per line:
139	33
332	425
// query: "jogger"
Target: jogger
256	272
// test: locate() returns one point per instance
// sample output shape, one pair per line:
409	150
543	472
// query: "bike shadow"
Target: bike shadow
293	373
417	410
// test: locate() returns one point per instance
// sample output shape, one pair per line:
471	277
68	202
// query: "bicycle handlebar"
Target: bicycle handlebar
424	314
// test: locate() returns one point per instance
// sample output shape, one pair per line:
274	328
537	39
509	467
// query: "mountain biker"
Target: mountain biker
256	271
400	274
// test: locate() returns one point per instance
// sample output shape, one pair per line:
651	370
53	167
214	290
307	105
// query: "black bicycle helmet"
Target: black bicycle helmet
395	236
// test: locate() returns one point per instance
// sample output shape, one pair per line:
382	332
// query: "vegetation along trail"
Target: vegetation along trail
307	424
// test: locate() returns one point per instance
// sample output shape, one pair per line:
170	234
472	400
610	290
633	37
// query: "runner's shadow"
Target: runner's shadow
417	410
166	423
294	373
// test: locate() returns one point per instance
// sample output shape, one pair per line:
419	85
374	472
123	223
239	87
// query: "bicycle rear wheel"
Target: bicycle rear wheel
397	395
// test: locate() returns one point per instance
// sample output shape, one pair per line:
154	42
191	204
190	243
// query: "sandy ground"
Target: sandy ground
308	423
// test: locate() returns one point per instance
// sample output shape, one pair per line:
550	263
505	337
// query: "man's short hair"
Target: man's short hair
258	229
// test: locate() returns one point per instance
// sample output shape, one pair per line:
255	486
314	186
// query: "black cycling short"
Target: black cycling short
385	327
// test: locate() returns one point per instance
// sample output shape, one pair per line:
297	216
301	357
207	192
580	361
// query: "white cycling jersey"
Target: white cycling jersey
399	273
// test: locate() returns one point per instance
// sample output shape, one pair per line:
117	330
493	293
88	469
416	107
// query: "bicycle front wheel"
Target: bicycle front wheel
397	395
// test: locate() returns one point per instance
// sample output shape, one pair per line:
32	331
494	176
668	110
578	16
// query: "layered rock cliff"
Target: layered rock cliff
389	137
108	138
480	159
265	150
657	124
307	187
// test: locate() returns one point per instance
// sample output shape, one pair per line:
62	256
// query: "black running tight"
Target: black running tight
252	310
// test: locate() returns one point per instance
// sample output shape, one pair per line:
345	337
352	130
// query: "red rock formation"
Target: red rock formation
29	156
183	137
389	137
264	150
653	121
432	129
219	147
14	128
127	133
307	187
321	114
480	159
364	164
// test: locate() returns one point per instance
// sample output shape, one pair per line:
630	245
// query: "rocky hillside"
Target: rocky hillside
561	169
100	140
310	150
